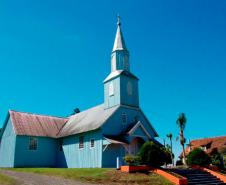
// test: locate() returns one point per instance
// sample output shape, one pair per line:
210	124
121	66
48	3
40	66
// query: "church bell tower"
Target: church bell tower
121	86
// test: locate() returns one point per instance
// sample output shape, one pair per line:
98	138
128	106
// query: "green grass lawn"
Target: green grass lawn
100	175
5	180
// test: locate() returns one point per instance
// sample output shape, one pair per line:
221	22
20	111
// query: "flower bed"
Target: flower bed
134	168
174	178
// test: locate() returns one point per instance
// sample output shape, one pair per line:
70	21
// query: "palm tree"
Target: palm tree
170	136
181	122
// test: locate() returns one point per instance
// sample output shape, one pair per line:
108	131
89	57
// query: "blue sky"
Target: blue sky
55	54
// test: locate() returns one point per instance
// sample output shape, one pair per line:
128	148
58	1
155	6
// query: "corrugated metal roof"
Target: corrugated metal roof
36	125
88	120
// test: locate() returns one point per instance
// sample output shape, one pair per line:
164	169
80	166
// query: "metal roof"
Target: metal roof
119	43
116	73
87	120
36	125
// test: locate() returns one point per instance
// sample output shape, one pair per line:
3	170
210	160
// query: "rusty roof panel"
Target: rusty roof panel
36	125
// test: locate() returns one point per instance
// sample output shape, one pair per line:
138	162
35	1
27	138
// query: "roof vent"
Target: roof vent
75	111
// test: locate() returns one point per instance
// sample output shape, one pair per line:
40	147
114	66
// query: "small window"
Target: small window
111	89
81	142
61	144
129	88
124	118
33	143
91	143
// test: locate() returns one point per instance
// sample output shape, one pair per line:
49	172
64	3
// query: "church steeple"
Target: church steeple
120	86
120	54
119	43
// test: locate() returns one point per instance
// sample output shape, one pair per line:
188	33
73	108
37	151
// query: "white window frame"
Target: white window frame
91	143
111	89
83	143
33	147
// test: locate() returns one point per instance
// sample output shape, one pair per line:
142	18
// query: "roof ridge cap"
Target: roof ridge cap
216	137
36	114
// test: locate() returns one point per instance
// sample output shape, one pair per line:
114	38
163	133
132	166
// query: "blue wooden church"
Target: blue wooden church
92	138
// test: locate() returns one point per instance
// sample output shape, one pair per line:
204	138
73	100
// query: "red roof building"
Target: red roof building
207	144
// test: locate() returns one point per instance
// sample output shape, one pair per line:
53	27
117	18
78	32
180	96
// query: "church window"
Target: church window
111	89
33	143
92	142
81	142
129	88
124	118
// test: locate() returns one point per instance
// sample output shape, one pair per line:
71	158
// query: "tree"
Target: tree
217	158
152	154
181	122
198	157
170	136
168	155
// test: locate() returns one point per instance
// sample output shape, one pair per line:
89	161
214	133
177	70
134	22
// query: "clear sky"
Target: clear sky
55	54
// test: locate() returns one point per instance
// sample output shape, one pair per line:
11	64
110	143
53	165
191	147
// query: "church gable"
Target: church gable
139	131
124	119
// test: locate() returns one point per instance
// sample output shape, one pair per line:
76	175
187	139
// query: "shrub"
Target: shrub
217	160
152	154
132	160
198	157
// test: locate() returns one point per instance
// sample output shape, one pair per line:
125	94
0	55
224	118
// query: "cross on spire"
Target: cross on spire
119	21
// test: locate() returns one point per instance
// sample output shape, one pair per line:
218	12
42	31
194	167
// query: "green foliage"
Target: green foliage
168	156
5	180
153	155
217	160
96	176
198	157
181	121
132	160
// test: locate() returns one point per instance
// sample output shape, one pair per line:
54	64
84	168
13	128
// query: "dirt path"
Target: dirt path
24	178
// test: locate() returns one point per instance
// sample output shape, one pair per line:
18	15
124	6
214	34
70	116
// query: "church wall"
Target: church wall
110	101
127	99
86	157
60	156
110	155
7	146
115	125
44	156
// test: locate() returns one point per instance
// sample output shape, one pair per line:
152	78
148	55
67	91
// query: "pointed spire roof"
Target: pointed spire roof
119	43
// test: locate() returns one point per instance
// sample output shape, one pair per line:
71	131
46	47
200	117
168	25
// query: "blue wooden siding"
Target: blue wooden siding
126	99
86	157
110	101
110	155
60	156
44	156
121	95
115	126
7	146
